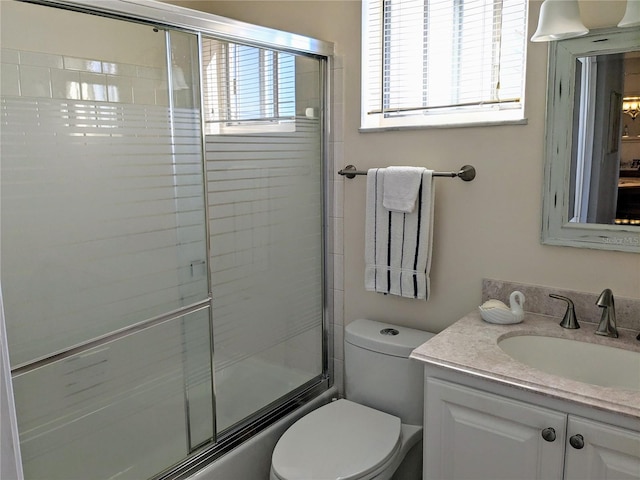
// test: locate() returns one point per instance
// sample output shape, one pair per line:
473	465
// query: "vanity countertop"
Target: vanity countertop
629	182
471	346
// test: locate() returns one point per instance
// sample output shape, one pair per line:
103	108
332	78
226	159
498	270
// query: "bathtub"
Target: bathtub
252	459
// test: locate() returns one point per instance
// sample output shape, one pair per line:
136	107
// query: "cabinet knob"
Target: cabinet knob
577	441
549	434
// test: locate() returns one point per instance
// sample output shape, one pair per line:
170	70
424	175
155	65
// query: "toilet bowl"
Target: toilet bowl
349	442
369	435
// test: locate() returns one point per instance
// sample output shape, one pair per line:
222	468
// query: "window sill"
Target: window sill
496	123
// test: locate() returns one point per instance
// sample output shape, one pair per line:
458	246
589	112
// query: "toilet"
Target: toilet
376	432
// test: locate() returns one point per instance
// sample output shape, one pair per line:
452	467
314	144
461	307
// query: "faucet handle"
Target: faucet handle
569	320
605	299
607	326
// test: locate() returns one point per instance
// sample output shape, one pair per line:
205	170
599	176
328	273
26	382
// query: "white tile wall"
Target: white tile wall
40	59
336	220
64	84
10	79
32	74
93	87
42	75
35	81
76	170
10	56
119	89
120	69
83	64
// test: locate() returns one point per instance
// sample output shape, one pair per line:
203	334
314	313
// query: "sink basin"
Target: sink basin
585	362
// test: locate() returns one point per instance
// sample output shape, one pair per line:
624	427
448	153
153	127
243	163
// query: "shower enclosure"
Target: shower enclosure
162	233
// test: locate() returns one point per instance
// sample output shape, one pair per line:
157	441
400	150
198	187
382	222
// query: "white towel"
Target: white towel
400	189
398	245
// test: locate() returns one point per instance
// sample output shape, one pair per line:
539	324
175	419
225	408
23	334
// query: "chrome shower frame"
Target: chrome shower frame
201	24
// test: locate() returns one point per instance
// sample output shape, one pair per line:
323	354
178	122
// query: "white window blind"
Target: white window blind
247	88
442	62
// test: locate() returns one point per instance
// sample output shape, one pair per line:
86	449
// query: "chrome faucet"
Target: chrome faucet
569	320
607	325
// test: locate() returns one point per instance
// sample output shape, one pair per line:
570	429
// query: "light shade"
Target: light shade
631	15
559	19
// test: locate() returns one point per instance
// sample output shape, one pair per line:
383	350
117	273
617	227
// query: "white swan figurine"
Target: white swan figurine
494	311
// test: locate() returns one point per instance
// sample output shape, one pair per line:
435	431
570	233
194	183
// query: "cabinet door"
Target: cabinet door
608	453
470	434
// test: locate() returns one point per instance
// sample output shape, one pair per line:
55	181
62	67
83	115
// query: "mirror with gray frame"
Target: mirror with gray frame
591	192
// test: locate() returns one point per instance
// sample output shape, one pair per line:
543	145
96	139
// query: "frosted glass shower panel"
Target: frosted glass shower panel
264	174
185	78
102	184
117	410
161	234
247	88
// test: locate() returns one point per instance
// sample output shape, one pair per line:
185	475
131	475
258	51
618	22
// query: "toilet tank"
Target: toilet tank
379	372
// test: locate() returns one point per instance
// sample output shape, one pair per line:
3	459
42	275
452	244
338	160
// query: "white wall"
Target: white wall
487	228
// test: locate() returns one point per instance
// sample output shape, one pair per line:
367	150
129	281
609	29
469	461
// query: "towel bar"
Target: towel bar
466	173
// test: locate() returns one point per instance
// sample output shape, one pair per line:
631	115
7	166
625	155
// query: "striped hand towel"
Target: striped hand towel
398	245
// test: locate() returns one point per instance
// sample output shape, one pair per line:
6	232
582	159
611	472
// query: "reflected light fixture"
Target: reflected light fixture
559	19
630	106
631	15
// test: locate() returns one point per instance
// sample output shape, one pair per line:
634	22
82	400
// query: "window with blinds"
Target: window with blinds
247	88
442	62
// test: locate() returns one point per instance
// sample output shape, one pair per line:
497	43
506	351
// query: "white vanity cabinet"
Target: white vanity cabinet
609	452
473	434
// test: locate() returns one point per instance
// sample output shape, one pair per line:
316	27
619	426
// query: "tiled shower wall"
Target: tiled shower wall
52	81
108	126
42	75
336	218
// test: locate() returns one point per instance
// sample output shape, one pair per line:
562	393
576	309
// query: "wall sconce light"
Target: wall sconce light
630	106
631	15
559	19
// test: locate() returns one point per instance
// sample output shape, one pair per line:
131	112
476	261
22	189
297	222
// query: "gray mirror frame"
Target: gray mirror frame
556	228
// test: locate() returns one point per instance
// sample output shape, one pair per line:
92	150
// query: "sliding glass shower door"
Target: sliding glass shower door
161	238
263	158
103	244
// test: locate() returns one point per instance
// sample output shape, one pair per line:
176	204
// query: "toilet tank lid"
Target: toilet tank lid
381	337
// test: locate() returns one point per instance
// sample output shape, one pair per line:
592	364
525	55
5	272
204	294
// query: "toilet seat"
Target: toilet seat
341	440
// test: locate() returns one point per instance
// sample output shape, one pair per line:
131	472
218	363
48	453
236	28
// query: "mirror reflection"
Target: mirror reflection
605	156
